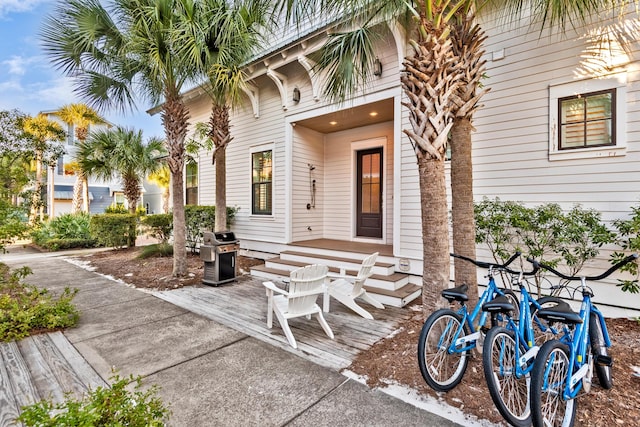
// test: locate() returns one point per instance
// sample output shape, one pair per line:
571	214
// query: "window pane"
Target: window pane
572	110
261	178
599	107
573	135
599	133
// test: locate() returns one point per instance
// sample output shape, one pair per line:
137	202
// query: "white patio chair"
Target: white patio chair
305	285
346	288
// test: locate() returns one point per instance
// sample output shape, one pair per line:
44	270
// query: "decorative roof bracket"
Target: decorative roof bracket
253	92
316	77
281	83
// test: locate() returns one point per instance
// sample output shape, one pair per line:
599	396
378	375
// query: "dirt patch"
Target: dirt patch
394	360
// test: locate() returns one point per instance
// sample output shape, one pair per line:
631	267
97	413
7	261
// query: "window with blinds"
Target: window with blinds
587	120
261	179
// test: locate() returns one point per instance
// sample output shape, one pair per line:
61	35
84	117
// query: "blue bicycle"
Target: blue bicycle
561	371
509	351
446	337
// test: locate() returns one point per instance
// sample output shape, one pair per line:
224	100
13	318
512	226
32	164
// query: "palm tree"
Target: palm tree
80	116
120	153
43	133
147	46
232	42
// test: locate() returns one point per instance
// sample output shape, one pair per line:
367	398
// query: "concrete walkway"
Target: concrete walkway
208	374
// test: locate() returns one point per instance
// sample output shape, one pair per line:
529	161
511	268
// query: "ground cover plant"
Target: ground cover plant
64	232
104	406
25	309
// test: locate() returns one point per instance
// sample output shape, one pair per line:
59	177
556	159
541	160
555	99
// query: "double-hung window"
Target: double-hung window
588	118
261	182
191	184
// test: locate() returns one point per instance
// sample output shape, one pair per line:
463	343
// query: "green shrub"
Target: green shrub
114	230
158	226
25	308
13	223
629	240
59	244
103	406
63	227
158	249
116	209
202	218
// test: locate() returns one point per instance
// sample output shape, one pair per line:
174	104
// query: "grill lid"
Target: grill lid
218	238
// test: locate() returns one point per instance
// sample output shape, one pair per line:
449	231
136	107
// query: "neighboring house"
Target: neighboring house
301	169
60	184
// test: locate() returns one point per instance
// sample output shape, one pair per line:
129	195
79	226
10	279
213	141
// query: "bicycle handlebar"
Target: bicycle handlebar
607	273
483	264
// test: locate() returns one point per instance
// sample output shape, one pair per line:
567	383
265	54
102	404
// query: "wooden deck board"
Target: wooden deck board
8	405
242	306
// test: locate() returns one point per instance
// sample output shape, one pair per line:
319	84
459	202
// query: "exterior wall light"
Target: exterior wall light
377	68
296	94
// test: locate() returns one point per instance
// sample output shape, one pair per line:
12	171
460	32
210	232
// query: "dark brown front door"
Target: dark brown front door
369	189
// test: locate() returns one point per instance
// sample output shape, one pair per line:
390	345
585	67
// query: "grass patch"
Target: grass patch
25	309
158	249
104	406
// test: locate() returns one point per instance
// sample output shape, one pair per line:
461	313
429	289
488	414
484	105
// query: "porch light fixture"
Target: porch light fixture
373	113
333	123
377	68
296	94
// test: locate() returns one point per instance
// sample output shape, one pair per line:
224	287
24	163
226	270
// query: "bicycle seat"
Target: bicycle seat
561	312
459	293
498	305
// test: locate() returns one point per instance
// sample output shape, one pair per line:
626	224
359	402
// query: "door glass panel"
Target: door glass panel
370	186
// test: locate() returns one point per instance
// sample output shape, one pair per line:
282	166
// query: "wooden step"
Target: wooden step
390	282
396	298
383	268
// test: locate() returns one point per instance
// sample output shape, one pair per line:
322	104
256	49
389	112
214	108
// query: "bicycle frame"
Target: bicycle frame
469	319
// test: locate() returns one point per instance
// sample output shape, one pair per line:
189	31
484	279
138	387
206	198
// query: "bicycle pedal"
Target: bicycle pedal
602	360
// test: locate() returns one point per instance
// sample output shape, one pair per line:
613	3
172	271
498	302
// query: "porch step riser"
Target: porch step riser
395	298
319	259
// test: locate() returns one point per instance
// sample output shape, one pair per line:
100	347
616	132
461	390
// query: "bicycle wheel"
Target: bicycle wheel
509	393
440	369
599	348
548	379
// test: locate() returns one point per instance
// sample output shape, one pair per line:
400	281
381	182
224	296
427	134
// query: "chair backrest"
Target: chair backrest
305	285
366	270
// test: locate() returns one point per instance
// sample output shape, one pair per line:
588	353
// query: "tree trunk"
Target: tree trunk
77	194
175	122
221	136
221	189
462	213
435	231
85	194
165	200
36	197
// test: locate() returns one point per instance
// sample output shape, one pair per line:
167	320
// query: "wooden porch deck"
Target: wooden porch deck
242	305
41	367
346	246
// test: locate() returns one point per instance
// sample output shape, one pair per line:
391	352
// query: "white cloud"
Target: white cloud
18	64
17	6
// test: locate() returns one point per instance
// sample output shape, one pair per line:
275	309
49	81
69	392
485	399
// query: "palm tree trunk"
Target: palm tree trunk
429	81
468	39
165	200
221	136
77	194
435	232
175	121
85	194
221	189
36	197
462	213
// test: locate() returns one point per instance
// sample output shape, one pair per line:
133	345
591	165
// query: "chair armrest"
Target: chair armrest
274	288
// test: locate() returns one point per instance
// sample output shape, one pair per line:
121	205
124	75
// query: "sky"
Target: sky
29	83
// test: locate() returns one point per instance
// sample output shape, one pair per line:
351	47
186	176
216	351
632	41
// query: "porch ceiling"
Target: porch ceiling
363	115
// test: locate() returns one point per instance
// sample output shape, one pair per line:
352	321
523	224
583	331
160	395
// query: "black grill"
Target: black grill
219	252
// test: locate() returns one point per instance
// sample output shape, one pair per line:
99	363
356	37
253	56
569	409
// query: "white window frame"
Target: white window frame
562	90
258	149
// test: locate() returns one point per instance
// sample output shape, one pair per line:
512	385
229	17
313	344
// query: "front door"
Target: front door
369	193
